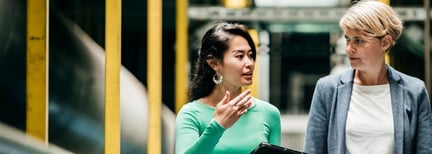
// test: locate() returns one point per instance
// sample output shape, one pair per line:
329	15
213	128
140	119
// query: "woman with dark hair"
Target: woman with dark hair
221	117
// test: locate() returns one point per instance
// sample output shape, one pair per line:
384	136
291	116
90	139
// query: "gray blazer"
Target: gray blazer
412	115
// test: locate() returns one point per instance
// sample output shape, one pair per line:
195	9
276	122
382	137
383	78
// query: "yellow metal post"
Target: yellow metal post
236	4
385	1
112	75
387	55
37	66
154	73
254	87
181	78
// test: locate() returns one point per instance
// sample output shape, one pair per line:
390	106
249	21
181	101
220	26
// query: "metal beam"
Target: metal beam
37	66
154	73
289	14
181	75
112	75
387	55
255	86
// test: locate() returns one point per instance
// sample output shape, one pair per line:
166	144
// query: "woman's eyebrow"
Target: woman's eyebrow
240	50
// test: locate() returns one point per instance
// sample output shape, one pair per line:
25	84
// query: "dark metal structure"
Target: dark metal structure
76	88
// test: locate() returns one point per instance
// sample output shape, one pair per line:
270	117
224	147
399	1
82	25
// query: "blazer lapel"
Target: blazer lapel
397	97
342	106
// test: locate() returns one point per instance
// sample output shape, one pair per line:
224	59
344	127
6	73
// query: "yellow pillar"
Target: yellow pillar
385	1
254	87
37	66
112	75
154	73
387	56
236	4
181	75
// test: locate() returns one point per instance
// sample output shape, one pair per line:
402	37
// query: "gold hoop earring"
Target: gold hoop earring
216	80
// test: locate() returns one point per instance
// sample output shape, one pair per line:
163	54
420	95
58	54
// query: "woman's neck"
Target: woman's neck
376	76
218	93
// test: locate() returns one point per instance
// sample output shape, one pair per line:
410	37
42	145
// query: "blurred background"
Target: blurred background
298	42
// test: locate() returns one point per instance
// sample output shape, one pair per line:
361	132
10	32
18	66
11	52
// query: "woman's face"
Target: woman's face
364	52
238	64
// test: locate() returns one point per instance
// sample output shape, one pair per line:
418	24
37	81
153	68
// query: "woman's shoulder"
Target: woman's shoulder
410	80
262	102
189	105
329	81
407	81
265	105
192	106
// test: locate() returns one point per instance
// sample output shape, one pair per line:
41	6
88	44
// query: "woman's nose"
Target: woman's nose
349	48
249	62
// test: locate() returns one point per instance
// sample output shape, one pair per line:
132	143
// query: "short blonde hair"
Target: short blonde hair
372	18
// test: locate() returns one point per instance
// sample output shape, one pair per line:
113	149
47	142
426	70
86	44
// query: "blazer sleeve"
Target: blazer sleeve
424	125
317	127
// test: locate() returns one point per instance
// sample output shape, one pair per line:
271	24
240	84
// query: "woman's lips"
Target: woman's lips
352	58
247	76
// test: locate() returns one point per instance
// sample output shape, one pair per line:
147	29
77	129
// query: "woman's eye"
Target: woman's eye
358	41
347	39
251	54
355	40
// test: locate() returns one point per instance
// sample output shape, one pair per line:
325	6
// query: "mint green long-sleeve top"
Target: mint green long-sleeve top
198	133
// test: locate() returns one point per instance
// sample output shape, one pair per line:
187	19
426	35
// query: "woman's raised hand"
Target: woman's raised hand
228	111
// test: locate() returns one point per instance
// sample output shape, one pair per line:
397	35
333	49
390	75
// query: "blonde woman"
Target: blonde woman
370	108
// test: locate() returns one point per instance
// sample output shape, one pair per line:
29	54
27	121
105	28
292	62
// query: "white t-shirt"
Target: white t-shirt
369	125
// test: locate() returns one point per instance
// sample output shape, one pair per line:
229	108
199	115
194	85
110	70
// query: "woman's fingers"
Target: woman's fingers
225	99
228	113
242	106
241	96
242	112
244	102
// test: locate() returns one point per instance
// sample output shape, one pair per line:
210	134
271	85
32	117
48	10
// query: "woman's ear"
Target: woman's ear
213	63
387	42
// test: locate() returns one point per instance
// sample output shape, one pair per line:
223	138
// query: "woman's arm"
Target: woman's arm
275	132
424	125
188	139
316	131
227	112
